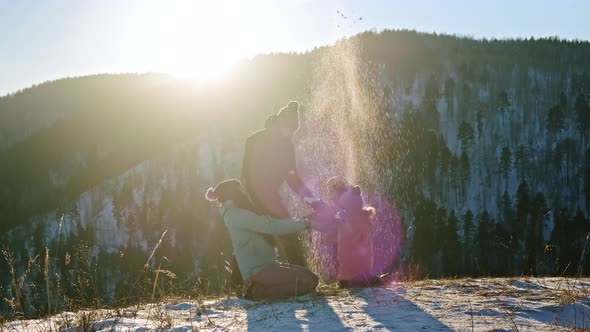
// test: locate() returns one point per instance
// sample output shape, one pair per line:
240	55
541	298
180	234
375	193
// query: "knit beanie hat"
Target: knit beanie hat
351	200
289	115
270	121
225	190
337	185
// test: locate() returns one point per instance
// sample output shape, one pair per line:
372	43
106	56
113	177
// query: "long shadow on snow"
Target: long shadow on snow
311	313
391	311
385	308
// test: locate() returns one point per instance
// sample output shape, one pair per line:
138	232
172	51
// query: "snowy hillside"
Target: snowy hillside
474	152
544	304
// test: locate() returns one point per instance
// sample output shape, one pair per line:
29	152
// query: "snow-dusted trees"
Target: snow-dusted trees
582	108
503	103
555	120
505	163
466	135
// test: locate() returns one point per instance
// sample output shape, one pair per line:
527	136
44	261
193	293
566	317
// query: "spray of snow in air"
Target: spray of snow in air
343	131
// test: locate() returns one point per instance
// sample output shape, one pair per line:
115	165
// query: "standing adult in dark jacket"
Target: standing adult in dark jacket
269	160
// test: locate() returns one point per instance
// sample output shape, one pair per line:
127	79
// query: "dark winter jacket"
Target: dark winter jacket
269	159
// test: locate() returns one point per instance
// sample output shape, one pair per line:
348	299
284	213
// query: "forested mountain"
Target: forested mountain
481	146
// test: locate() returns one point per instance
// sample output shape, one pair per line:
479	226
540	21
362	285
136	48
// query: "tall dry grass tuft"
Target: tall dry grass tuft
46	275
583	255
74	281
145	273
14	302
18	284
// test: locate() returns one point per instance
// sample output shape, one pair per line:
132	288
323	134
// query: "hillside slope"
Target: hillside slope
475	152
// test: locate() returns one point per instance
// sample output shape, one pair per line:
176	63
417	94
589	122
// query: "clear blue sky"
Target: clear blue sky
49	39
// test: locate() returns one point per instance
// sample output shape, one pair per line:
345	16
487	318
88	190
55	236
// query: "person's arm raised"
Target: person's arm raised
293	179
262	224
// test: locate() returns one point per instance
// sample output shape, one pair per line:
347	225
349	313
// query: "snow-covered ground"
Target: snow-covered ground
534	304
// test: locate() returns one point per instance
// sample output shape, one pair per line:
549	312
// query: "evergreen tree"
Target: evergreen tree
557	158
423	241
581	83
431	117
575	233
507	211
559	241
587	179
445	157
455	168
467	71
466	100
502	247
432	89
468	240
584	266
563	102
569	146
534	237
430	155
466	136
583	116
555	120
444	169
450	95
465	173
505	163
523	202
451	253
440	242
484	241
503	103
430	109
479	124
519	224
521	161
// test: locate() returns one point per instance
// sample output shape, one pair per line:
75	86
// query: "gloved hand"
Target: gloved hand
314	202
310	200
320	225
341	216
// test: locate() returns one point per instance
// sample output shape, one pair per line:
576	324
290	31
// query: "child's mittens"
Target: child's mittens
323	220
341	216
310	200
315	203
321	225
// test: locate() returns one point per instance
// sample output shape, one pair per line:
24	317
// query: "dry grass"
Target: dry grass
567	296
153	284
85	320
158	285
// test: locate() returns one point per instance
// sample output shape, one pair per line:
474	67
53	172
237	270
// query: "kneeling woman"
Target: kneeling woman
264	276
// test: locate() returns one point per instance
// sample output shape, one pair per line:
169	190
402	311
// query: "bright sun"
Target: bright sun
199	39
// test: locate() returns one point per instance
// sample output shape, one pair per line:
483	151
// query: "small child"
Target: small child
354	235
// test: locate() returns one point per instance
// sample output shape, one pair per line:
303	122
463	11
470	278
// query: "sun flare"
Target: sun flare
200	40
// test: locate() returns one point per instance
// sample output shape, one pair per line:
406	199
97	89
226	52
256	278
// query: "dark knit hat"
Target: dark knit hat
223	191
289	115
337	185
351	200
270	121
